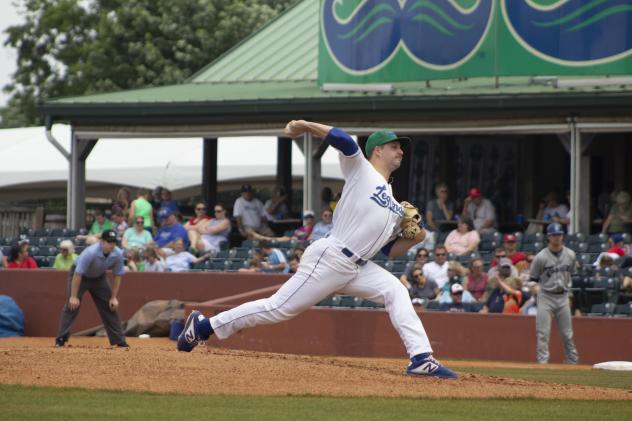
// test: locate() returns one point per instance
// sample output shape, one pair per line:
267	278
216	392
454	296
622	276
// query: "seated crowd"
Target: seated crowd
468	268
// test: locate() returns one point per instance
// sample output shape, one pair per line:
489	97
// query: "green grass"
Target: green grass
38	403
597	378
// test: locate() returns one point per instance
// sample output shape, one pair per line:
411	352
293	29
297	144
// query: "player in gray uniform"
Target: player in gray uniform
552	268
367	219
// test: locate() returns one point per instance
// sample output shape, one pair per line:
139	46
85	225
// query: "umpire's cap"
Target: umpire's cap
554	229
383	137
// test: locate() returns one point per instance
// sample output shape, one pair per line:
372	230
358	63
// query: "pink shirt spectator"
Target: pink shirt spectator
459	243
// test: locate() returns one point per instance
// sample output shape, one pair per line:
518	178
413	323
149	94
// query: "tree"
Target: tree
76	47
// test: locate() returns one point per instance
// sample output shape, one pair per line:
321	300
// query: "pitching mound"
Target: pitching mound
154	365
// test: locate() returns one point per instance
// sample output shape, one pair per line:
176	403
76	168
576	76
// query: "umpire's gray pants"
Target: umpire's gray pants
101	293
549	306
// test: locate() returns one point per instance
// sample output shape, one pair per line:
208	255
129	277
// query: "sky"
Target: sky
8	17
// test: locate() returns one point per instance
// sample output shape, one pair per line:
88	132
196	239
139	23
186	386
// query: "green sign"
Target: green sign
372	41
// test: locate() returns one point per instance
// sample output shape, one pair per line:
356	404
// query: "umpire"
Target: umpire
552	268
88	274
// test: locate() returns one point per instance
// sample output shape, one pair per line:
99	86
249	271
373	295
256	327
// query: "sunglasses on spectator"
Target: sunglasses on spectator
458	293
218	210
439	254
201	208
140	222
422	255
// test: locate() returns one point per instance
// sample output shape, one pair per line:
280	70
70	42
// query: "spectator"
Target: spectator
254	266
274	259
276	207
549	210
248	212
530	307
504	293
3	260
167	202
480	210
437	270
421	288
100	224
439	209
499	254
134	261
170	231
66	257
156	198
456	302
524	268
136	237
194	227
216	231
421	258
304	232
122	202
142	208
294	262
618	245
19	257
120	223
153	263
619	219
464	239
509	250
456	274
322	227
476	281
298	251
181	260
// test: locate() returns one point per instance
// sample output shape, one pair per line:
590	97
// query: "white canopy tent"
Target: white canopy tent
26	156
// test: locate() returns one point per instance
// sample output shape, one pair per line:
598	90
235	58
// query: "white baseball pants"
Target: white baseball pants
325	270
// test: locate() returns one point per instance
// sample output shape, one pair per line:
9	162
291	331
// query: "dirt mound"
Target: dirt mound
154	365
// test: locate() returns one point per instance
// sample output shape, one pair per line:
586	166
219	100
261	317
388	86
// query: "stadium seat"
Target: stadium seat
604	309
597	238
600	291
597	247
623	310
433	305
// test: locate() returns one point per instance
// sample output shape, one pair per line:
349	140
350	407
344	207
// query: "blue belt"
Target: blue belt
358	260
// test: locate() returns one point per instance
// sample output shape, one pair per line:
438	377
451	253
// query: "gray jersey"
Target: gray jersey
554	272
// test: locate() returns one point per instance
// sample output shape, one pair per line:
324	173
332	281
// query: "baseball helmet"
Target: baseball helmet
554	229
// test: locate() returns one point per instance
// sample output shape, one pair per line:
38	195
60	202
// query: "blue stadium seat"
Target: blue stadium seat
623	310
604	309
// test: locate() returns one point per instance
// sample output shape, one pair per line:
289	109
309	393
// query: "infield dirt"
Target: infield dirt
153	365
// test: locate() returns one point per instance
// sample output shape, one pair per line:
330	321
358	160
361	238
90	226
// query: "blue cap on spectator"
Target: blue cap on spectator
617	238
164	213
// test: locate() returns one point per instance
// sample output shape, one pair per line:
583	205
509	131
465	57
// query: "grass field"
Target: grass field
33	403
42	403
598	378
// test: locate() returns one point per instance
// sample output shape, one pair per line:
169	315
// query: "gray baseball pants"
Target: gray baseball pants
549	306
101	293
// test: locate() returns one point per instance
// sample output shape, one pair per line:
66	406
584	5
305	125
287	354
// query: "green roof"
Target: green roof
286	49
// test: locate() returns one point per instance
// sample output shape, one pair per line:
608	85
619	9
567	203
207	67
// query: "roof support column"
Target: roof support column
312	176
284	168
580	182
79	151
209	171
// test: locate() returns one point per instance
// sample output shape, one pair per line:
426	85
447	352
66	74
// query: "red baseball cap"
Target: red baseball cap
475	192
509	238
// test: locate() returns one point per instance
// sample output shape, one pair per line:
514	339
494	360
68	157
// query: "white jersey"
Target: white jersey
367	216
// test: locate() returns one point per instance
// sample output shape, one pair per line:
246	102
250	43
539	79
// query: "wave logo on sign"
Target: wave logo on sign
364	35
572	32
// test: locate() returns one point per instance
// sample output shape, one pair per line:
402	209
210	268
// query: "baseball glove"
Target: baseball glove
411	222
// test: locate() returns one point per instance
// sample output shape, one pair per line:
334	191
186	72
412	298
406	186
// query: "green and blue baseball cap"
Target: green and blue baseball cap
382	137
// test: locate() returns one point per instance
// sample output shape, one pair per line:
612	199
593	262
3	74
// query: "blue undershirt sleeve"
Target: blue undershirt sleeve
341	140
387	248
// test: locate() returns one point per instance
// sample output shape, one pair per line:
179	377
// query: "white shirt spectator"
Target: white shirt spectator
320	230
180	262
435	272
157	266
479	214
251	212
561	211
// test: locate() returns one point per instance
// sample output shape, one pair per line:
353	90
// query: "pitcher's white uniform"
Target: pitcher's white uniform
366	218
